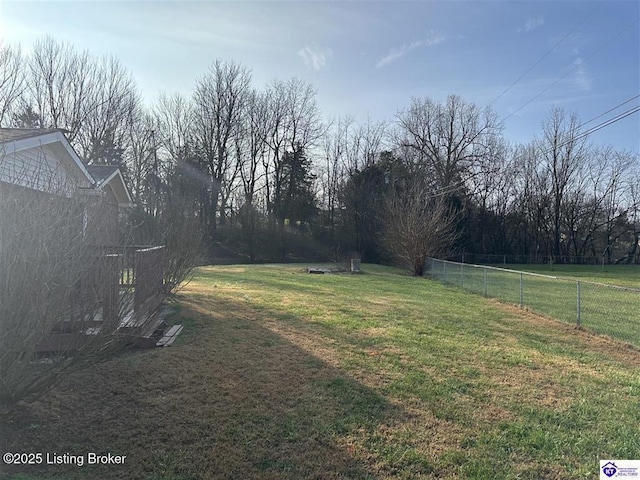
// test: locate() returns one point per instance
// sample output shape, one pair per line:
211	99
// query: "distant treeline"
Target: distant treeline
260	175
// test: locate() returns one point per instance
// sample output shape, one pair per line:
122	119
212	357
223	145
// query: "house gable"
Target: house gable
41	160
109	178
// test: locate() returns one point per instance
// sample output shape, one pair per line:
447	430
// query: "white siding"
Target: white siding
37	168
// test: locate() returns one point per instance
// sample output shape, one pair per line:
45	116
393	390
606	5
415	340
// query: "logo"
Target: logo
609	469
627	469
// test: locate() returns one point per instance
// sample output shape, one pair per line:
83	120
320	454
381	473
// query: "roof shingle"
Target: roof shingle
11	134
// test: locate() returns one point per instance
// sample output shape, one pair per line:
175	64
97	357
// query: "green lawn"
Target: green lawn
280	374
553	291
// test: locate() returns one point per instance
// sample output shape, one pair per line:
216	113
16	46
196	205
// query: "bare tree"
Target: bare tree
293	124
61	85
12	65
303	121
175	150
451	138
174	117
251	154
365	143
220	99
634	213
251	148
335	149
530	202
614	194
112	108
562	155
173	187
141	155
95	100
417	225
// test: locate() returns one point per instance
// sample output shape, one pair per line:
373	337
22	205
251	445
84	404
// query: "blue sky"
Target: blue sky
369	58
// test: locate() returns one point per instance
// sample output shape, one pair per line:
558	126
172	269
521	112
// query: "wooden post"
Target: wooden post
110	291
149	268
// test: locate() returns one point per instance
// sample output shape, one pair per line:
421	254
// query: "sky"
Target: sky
369	58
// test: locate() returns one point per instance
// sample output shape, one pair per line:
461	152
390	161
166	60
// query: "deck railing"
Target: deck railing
128	258
122	285
148	274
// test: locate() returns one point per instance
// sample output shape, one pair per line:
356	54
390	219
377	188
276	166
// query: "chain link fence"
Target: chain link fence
539	259
605	309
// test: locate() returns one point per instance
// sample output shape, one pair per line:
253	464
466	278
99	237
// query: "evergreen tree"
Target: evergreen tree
298	202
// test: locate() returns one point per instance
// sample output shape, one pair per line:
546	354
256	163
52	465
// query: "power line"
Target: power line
600	126
572	69
546	54
608	111
456	186
609	122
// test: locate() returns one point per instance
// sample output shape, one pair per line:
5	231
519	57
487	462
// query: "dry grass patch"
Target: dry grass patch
233	401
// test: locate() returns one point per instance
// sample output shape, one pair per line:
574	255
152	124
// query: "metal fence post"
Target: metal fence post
521	291
578	319
484	270
597	315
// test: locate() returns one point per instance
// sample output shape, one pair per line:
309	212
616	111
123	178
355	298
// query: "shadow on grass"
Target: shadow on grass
232	400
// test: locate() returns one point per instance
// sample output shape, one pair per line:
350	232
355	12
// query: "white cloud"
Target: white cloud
397	53
582	78
394	55
532	23
315	57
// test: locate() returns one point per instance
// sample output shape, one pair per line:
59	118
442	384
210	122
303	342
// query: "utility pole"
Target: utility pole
156	176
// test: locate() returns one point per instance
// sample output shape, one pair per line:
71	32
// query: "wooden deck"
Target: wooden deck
107	302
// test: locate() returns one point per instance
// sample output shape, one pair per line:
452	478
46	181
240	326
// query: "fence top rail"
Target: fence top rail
571	279
150	249
498	269
606	285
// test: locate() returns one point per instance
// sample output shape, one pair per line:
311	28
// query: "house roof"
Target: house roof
102	173
10	134
110	175
14	140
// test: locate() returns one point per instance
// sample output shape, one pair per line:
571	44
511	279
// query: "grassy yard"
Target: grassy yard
285	375
609	307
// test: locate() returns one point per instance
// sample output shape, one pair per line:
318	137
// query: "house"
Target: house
39	167
42	162
115	197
